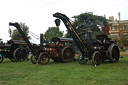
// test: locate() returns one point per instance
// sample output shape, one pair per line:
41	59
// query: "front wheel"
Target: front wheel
44	58
34	59
96	58
82	60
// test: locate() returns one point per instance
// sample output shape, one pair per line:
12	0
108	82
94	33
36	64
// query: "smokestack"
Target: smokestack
41	39
119	15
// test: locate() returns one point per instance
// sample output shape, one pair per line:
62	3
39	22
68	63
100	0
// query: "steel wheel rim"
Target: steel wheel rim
82	60
34	59
44	58
67	55
96	58
115	54
20	54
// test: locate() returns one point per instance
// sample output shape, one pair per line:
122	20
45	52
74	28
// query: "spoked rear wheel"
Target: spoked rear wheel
44	58
67	54
96	58
114	53
20	54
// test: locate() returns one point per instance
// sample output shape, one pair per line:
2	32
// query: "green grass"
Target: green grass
26	73
125	54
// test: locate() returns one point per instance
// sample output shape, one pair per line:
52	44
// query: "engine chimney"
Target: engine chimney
41	39
119	15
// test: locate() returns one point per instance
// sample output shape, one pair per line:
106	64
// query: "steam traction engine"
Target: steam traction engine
99	49
57	50
14	50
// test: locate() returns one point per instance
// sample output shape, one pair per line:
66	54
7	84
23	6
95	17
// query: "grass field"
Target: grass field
26	73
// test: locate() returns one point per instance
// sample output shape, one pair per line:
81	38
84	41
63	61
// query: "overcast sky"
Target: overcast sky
37	14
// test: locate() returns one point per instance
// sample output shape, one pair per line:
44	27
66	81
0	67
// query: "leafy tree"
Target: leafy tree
87	21
1	40
16	35
53	32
